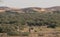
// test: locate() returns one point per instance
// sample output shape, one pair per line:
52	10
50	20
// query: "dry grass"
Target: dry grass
42	32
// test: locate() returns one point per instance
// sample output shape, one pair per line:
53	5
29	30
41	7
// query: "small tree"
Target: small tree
51	26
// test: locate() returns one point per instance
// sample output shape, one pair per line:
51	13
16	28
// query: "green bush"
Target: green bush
14	33
51	26
24	33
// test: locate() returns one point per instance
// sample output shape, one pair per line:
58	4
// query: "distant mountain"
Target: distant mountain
55	8
4	8
38	9
30	9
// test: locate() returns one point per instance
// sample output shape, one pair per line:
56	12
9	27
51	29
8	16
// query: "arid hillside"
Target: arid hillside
32	21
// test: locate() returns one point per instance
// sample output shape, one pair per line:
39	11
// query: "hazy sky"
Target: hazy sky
30	3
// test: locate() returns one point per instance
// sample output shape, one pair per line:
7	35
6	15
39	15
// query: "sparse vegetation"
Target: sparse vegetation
10	21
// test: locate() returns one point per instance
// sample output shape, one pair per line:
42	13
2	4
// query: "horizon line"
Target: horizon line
29	6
